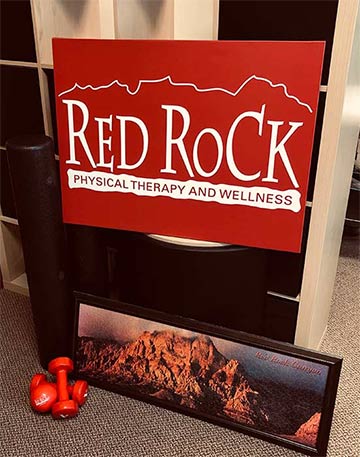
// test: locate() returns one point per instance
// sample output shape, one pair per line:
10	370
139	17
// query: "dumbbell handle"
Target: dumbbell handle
62	386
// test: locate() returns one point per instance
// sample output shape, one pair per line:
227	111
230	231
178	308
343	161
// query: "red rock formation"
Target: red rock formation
189	371
308	432
193	373
240	401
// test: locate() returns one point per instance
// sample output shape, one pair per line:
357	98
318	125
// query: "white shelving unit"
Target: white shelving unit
11	256
189	19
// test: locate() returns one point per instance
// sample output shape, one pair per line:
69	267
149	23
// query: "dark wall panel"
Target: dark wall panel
7	201
316	146
280	318
17	38
225	286
21	111
285	269
50	79
280	20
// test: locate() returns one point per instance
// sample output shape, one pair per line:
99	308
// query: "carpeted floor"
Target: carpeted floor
112	425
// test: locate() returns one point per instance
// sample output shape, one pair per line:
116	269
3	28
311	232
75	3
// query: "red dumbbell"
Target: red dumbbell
43	394
64	407
42	399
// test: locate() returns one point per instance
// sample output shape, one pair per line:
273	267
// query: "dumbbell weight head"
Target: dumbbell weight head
43	397
36	380
64	409
42	393
60	363
39	379
80	392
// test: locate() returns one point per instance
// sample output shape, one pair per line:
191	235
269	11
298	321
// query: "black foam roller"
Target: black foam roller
37	194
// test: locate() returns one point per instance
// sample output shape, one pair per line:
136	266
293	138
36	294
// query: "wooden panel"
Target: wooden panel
18	63
3	259
12	255
336	160
107	19
144	20
9	220
18	285
71	19
167	19
195	20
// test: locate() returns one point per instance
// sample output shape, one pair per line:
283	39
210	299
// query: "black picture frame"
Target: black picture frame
249	392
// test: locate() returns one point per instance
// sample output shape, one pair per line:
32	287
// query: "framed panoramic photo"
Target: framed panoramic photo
275	391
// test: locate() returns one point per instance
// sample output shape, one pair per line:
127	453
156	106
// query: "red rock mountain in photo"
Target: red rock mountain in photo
308	432
192	373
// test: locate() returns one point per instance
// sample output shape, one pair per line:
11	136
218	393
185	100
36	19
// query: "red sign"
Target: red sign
200	139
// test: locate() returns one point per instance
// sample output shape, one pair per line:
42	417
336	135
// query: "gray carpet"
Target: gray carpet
112	425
